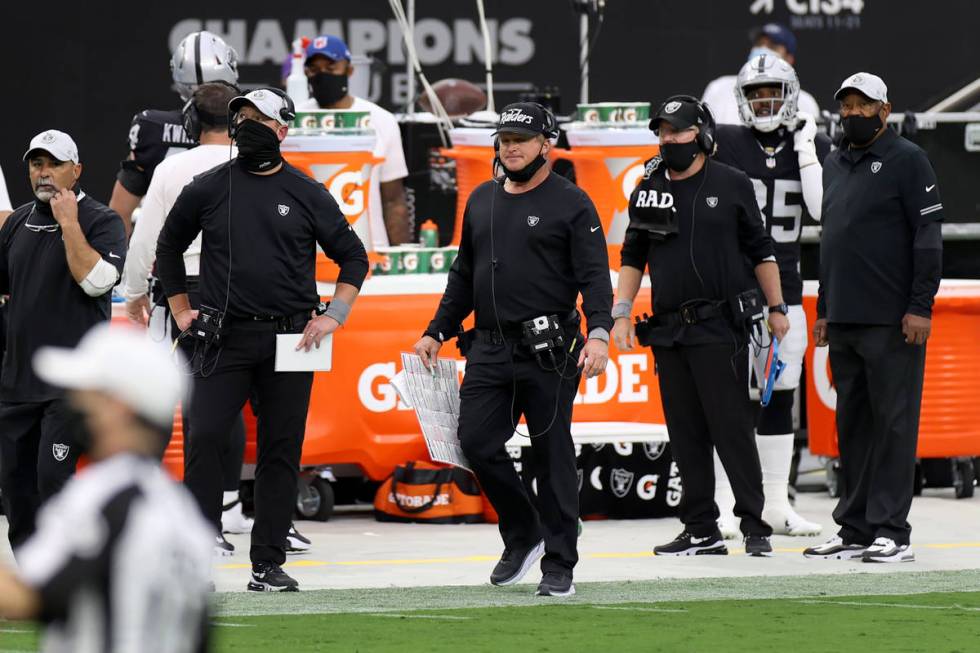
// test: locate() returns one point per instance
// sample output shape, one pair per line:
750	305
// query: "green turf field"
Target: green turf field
920	612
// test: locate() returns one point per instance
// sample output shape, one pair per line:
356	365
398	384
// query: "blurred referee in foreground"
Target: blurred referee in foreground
121	557
881	256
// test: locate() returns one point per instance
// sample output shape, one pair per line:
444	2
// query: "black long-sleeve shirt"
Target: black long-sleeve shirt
549	247
47	306
720	239
881	247
276	222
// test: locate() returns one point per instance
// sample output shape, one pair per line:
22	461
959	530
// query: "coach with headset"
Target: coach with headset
696	224
261	220
531	242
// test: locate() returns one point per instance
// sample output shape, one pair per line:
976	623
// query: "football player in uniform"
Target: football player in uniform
153	135
779	148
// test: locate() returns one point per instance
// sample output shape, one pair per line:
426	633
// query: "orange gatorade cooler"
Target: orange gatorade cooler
342	162
473	152
949	425
608	164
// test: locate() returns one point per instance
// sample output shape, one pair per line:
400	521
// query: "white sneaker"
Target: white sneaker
885	549
296	542
786	521
222	547
835	549
728	526
233	520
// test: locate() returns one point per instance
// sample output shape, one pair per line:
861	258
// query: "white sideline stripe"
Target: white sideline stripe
955	606
15	630
396	615
231	625
622	607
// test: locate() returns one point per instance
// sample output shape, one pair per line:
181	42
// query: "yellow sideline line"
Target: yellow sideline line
486	558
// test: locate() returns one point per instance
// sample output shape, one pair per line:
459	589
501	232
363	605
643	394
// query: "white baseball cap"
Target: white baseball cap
123	362
870	85
58	144
271	104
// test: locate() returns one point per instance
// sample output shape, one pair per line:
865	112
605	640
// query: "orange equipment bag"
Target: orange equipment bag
422	492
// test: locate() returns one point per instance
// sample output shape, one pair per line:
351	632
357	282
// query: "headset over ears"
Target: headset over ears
550	126
193	117
706	130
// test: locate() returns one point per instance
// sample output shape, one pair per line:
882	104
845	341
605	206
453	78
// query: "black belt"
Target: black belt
282	322
690	314
514	333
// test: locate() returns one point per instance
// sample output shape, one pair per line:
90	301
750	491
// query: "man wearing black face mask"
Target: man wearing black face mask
60	256
329	68
261	220
880	268
531	243
696	225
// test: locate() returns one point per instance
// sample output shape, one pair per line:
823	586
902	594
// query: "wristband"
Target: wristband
338	309
622	308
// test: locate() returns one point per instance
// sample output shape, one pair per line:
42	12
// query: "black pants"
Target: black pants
486	424
879	392
706	403
39	446
231	457
246	365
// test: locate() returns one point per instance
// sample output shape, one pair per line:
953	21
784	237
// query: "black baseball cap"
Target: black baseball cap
527	118
680	112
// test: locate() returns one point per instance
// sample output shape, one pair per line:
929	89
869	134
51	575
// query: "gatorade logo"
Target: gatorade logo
347	189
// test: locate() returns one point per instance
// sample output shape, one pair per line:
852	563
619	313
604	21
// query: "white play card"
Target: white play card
314	360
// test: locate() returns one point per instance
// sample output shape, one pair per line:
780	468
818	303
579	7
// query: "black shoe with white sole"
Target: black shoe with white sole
758	546
835	549
269	577
555	583
885	549
296	542
515	563
686	544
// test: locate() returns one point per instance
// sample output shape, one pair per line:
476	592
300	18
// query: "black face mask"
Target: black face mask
328	89
523	175
679	156
258	146
860	130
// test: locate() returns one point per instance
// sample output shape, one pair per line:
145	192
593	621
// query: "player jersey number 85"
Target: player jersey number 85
781	204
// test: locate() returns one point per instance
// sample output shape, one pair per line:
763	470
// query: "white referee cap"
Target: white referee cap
867	84
58	144
269	103
122	362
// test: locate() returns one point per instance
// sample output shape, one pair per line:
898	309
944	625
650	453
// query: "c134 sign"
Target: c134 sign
816	14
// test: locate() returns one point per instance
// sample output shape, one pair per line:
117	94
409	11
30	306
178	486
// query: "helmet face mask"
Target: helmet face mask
767	113
200	58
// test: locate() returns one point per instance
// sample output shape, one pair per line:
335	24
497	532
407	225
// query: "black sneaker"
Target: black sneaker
269	577
835	549
296	542
515	563
686	544
758	546
556	583
886	549
223	547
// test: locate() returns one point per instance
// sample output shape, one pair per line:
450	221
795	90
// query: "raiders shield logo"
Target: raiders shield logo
283	209
712	202
653	450
532	220
875	167
48	137
60	451
672	107
621	481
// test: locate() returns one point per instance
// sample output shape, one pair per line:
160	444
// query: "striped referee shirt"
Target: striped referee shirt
881	247
122	560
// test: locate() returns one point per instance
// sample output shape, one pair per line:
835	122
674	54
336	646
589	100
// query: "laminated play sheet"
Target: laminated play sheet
434	394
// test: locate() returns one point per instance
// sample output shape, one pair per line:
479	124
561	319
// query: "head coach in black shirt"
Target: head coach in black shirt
260	220
530	244
60	256
880	267
696	224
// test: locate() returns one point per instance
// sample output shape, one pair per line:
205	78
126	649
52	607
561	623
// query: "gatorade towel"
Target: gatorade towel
774	367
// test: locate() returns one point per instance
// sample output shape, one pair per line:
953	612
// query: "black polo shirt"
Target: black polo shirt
881	245
47	306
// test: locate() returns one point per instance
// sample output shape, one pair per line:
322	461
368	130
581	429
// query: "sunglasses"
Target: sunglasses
38	228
